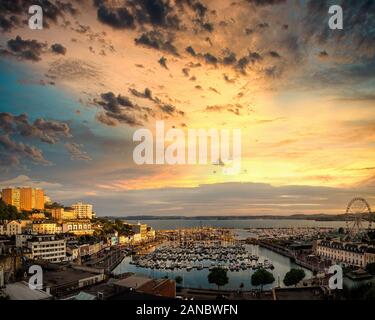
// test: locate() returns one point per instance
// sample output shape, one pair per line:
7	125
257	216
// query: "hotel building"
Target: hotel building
82	210
43	227
78	227
11	197
24	198
349	254
140	229
47	247
61	214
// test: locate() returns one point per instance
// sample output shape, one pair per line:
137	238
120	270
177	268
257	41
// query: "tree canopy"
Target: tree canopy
262	277
54	205
294	276
9	212
218	276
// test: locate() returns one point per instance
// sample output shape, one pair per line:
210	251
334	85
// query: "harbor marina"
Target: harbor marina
201	256
195	264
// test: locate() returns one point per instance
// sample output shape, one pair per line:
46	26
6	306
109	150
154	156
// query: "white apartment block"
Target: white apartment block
12	228
350	254
21	240
47	248
82	210
77	227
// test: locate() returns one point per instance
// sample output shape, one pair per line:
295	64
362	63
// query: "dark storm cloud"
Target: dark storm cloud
233	108
146	94
170	109
26	49
120	109
20	150
199	8
249	31
13	13
112	119
186	71
8	23
157	13
210	58
272	72
58	48
47	131
15	127
359	25
201	16
274	54
251	58
263	25
158	41
166	108
191	51
230	58
67	7
120	100
207	26
254	57
119	18
358	73
163	62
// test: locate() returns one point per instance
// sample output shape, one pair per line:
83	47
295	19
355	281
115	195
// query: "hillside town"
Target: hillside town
69	242
78	253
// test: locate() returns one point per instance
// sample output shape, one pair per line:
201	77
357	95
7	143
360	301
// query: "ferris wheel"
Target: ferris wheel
358	217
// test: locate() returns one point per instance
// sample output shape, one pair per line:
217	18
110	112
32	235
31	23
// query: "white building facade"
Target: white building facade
350	254
47	248
82	210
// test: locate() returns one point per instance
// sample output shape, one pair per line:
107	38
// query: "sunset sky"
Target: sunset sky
72	95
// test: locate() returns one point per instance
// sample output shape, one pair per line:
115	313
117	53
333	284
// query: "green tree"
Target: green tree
179	280
9	212
293	277
54	205
262	277
218	276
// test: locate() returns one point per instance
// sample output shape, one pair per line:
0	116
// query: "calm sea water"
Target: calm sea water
243	223
198	278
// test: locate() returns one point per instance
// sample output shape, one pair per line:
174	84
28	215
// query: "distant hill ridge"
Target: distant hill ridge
316	217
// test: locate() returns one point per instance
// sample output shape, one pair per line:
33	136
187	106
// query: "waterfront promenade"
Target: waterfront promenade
288	253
